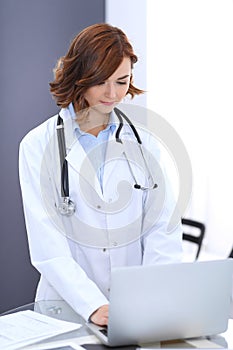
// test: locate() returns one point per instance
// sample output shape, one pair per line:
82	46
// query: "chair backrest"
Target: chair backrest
231	254
197	239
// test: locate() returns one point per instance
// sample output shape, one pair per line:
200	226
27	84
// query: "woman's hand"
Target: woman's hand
100	316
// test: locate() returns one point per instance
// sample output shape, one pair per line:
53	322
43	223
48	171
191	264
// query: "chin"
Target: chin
101	108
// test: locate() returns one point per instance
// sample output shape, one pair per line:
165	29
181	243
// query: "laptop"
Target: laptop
165	302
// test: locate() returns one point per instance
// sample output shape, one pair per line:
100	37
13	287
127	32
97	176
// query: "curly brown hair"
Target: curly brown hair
93	56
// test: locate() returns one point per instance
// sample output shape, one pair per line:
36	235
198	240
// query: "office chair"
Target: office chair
197	239
231	254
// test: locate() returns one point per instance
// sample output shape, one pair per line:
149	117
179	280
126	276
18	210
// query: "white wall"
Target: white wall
130	16
185	63
190	83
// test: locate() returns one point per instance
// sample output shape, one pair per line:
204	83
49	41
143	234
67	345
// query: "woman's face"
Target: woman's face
104	96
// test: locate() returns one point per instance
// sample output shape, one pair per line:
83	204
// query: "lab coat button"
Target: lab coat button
98	206
115	244
104	249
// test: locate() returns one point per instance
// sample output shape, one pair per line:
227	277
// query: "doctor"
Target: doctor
118	190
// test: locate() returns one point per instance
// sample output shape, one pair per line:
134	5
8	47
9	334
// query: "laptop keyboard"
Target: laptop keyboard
104	331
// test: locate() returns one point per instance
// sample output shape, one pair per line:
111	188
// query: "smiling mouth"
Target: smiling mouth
105	103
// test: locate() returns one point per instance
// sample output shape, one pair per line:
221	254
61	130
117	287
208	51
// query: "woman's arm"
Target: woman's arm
49	249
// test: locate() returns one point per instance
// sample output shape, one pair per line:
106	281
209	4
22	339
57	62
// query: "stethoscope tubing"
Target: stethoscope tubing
120	114
67	206
63	161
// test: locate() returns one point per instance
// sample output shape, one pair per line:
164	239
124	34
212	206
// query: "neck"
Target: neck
92	121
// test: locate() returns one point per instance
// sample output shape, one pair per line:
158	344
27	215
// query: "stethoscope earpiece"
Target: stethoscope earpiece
138	187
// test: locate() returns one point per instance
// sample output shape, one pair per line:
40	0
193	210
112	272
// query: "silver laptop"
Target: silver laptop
164	302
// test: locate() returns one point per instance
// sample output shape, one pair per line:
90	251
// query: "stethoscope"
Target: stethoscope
67	206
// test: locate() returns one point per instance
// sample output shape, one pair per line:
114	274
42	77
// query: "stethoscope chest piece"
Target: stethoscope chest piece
66	207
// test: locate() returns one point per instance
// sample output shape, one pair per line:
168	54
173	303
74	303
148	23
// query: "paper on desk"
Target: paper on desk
27	327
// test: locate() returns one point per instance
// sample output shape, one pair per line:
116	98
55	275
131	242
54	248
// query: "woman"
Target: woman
120	218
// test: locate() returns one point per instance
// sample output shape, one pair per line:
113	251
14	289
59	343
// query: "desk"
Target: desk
61	310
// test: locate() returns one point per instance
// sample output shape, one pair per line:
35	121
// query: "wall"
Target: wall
190	78
33	34
185	63
130	16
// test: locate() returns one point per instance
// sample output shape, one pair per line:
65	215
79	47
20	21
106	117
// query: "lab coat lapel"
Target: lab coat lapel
80	162
76	156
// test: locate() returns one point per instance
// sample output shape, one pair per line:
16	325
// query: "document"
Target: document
28	327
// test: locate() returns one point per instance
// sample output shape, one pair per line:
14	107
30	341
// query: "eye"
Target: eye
122	82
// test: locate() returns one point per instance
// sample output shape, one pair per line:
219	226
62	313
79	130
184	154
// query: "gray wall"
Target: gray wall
33	34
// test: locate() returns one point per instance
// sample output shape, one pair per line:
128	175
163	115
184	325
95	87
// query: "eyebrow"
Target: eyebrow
125	76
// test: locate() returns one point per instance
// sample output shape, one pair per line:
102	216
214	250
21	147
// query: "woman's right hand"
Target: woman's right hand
100	316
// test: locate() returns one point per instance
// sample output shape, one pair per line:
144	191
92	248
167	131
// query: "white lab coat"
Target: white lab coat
120	226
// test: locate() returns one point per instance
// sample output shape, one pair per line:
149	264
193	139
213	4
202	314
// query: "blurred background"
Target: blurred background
185	64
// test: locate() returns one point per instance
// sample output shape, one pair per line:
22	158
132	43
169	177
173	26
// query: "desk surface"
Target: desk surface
61	310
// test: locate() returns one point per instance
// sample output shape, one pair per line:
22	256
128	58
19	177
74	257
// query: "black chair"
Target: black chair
197	239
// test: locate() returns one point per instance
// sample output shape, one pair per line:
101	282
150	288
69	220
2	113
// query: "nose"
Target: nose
110	91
